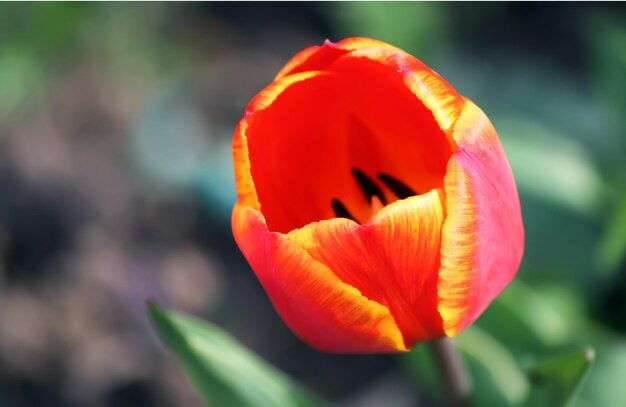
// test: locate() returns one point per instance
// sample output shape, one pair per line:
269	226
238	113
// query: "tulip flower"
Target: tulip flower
375	204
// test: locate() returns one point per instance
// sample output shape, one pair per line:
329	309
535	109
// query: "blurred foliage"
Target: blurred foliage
29	39
171	147
418	28
607	45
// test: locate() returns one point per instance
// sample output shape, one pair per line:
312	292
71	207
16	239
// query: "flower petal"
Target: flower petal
393	259
430	88
351	44
317	57
405	236
243	177
482	238
325	312
246	190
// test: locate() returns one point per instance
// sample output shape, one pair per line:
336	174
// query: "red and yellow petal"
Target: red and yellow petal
431	89
482	238
321	309
246	190
392	260
241	161
405	240
319	57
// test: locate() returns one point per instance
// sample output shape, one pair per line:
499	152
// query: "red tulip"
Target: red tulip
375	204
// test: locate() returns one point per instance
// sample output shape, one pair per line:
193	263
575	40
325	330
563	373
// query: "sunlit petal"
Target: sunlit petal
483	237
324	311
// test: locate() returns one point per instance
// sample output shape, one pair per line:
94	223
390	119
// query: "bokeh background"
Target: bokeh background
116	186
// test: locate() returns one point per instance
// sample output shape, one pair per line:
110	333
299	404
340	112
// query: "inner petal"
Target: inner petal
321	143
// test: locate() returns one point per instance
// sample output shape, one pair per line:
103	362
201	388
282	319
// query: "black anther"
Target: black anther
340	210
368	186
396	186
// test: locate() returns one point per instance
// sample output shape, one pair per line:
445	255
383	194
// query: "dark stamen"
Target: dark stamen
396	186
368	186
340	210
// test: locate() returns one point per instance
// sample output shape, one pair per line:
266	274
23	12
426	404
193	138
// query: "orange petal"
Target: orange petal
298	60
246	190
354	43
404	238
393	259
482	238
317	58
243	177
268	95
297	159
325	312
430	88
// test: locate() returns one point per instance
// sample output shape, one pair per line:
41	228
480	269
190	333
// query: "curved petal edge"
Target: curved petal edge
322	310
483	237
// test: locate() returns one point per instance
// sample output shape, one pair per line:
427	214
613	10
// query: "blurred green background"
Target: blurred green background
116	186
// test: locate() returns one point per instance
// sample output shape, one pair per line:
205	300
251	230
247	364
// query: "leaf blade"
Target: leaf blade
223	372
556	379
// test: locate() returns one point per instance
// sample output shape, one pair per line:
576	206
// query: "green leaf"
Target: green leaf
556	379
605	385
224	372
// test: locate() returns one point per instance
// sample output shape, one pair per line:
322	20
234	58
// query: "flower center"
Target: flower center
373	193
332	144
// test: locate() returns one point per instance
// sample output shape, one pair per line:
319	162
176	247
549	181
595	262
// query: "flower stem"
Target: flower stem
455	383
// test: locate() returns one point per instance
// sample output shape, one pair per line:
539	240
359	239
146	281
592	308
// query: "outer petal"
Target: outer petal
405	238
319	57
325	312
393	259
482	237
